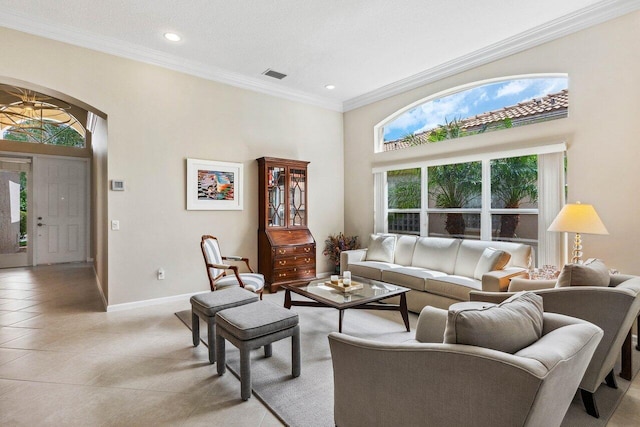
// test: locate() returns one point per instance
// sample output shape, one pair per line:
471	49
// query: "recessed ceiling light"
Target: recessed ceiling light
172	37
330	87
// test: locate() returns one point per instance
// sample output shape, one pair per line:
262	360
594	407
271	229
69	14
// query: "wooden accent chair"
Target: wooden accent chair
217	268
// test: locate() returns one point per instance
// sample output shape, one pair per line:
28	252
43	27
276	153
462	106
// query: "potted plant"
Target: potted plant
334	245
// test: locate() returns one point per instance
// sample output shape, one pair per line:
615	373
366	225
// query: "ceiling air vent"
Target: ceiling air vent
276	75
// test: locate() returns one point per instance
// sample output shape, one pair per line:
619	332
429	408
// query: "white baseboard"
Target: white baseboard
149	302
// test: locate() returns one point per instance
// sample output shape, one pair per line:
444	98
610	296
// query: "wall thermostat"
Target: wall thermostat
117	185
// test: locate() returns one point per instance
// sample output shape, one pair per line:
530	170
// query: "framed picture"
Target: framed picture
214	185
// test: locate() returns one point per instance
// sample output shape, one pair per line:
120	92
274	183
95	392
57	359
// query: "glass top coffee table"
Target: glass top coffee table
367	298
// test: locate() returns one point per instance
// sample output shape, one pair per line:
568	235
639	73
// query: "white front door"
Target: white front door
60	209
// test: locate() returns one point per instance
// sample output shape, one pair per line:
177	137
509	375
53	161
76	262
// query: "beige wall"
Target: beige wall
601	133
156	119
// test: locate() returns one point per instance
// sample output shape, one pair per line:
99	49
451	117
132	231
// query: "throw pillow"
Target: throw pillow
381	248
592	273
509	326
490	260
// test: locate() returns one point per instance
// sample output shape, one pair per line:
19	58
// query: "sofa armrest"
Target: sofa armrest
431	324
498	280
354	255
494	297
632	284
518	284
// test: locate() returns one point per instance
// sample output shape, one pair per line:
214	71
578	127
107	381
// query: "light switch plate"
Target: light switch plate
115	224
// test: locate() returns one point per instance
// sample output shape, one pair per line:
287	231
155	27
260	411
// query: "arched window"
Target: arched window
476	108
498	194
30	116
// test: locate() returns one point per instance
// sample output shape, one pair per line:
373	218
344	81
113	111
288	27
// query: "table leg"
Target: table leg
625	372
340	320
638	344
404	311
287	299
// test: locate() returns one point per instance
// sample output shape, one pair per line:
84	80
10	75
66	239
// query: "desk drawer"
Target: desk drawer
287	251
294	273
293	261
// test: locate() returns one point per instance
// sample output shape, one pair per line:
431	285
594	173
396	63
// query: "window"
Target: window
29	116
495	197
476	108
404	201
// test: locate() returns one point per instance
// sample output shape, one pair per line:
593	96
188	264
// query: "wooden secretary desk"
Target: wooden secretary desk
286	248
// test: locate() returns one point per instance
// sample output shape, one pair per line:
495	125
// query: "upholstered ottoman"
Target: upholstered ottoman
205	307
252	326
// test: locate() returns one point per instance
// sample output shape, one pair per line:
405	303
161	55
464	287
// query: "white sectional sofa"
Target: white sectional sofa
439	271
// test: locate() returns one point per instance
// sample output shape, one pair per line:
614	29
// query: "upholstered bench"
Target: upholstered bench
205	307
252	326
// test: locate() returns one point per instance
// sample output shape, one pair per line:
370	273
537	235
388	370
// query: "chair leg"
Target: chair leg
610	379
195	329
220	353
589	403
295	353
211	339
268	351
245	373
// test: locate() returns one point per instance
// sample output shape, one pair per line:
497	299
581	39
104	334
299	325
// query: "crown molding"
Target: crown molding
66	34
584	18
568	24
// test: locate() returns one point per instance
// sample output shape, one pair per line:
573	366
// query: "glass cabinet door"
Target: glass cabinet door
276	195
297	197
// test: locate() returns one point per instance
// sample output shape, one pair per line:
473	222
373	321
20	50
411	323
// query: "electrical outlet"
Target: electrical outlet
115	225
161	274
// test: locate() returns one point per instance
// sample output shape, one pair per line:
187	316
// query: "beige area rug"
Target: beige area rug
308	400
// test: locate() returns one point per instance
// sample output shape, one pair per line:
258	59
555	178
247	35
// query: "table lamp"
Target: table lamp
578	218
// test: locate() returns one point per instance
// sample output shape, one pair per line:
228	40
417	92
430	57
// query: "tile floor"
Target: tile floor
64	361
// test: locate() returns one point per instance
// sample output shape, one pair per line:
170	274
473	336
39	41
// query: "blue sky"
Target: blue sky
469	103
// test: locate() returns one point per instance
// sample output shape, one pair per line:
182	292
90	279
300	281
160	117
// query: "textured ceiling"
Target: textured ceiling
360	46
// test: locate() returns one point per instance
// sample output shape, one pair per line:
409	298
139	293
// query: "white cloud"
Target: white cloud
483	96
408	120
514	87
548	86
446	109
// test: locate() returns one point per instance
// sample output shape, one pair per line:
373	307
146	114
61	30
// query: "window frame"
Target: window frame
549	244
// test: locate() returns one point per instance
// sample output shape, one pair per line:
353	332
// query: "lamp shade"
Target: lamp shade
578	218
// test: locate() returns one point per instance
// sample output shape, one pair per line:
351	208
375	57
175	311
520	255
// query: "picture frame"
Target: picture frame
214	185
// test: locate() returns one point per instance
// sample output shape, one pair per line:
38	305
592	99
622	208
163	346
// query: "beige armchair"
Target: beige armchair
421	383
612	308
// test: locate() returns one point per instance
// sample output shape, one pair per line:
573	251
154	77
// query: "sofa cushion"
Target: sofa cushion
435	253
469	254
405	246
509	327
455	287
410	277
370	269
381	248
592	273
491	259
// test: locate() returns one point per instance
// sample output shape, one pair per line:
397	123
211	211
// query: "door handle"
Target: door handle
41	224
